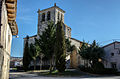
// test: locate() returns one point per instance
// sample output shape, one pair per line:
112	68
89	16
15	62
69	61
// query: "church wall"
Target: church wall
67	31
75	58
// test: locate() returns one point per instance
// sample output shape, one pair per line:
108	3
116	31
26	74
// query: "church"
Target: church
56	14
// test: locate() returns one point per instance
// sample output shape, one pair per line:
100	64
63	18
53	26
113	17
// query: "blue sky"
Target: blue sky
89	19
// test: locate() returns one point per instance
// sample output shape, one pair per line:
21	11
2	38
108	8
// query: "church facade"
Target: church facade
56	14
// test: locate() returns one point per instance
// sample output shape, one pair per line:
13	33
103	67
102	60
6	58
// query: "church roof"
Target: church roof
66	26
76	40
53	7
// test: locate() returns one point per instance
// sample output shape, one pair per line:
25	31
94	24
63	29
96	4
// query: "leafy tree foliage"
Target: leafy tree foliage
60	48
47	42
92	52
69	47
34	53
26	55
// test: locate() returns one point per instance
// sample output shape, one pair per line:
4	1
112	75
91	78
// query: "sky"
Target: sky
89	19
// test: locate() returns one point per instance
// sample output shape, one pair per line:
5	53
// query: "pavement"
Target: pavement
24	75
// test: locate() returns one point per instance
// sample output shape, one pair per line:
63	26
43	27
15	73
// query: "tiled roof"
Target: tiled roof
76	40
110	44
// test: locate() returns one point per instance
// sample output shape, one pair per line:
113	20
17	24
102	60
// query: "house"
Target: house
8	28
112	55
55	14
16	62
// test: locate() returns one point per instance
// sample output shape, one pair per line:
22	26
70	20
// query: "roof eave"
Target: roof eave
11	12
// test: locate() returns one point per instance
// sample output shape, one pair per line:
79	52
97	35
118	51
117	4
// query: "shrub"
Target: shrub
109	71
98	68
81	67
85	69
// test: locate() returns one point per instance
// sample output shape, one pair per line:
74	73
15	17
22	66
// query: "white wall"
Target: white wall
112	59
6	39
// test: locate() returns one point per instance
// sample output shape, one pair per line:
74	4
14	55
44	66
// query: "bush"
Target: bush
20	68
81	67
98	68
85	69
109	71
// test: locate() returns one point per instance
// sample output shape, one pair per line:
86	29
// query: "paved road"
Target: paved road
23	75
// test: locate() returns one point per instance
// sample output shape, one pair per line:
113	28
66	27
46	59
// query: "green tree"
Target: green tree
69	47
38	51
34	53
92	52
47	42
26	55
96	52
60	48
84	51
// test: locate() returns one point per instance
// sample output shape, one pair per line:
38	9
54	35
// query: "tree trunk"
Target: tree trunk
50	66
41	64
34	64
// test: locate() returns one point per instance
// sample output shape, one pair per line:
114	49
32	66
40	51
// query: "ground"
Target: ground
29	75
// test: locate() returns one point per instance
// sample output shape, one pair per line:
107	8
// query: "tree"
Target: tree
47	42
96	52
26	55
92	52
41	55
38	51
60	48
69	47
84	51
33	53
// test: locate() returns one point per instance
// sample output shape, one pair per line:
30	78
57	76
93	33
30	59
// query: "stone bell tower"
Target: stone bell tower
54	14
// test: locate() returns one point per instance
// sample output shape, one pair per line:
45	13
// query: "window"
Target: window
112	54
43	17
58	16
48	15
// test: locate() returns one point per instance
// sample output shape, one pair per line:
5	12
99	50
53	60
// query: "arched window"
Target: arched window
48	15
43	17
58	16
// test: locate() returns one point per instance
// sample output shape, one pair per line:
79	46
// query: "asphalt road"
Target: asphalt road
23	75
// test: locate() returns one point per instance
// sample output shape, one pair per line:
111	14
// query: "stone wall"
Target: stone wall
5	41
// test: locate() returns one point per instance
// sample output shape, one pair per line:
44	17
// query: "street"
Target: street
23	75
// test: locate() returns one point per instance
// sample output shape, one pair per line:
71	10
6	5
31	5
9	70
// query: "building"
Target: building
112	55
8	27
54	14
16	62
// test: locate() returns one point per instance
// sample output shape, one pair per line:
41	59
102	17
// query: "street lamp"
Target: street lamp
16	36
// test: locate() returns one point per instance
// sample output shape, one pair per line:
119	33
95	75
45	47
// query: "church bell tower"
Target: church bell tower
53	14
